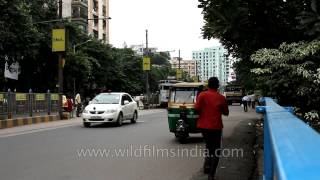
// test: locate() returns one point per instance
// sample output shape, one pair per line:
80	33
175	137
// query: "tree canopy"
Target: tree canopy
276	42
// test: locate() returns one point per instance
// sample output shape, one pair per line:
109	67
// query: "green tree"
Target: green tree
25	42
243	27
291	73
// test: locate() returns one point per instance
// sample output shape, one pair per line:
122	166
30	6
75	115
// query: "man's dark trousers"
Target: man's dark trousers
212	138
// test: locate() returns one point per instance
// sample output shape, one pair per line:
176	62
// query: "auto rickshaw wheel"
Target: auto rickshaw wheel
182	138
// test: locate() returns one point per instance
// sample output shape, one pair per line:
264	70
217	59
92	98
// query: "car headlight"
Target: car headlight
111	111
86	111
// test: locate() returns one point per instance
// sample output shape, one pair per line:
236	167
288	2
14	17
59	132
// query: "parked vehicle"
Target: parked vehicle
182	118
110	107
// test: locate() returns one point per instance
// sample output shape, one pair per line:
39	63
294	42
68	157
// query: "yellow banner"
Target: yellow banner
1	97
195	78
146	63
58	40
21	97
54	97
40	97
179	73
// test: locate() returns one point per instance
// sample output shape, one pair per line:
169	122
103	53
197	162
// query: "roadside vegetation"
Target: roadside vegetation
278	44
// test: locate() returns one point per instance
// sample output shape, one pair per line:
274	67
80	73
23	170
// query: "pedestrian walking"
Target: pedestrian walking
70	105
78	104
211	105
253	100
245	101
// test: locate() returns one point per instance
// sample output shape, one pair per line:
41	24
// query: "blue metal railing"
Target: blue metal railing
291	147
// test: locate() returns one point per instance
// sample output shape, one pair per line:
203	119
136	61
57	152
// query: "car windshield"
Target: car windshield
106	99
183	95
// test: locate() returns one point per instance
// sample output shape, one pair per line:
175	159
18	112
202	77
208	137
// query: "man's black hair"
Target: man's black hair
213	83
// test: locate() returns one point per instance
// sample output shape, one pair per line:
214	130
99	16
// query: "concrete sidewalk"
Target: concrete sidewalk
238	141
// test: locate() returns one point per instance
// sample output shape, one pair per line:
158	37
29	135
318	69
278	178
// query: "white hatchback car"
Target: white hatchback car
110	107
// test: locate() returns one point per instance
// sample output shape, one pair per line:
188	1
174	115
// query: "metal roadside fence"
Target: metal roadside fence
153	101
290	145
14	104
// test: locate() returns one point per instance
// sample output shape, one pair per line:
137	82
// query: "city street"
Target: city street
145	150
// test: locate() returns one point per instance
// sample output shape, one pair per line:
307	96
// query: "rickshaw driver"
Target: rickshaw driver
211	105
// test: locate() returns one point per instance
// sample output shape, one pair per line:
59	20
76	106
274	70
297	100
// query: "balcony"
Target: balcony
83	3
79	13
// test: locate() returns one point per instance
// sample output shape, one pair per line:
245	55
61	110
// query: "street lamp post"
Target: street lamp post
104	18
80	44
61	20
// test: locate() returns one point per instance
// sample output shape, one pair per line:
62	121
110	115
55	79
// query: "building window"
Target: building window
95	21
104	24
75	12
95	34
104	11
95	5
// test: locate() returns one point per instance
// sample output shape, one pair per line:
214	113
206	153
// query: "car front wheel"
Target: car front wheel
120	119
134	117
86	124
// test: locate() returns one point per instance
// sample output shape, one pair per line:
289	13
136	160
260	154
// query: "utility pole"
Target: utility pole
147	72
60	9
179	71
60	68
179	59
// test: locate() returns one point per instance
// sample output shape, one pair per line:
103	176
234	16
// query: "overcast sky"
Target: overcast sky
172	25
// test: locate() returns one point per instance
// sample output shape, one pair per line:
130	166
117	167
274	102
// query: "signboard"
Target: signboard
54	97
179	73
58	40
146	63
195	78
21	97
40	97
1	97
11	71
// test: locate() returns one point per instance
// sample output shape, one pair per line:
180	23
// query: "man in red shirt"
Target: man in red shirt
211	105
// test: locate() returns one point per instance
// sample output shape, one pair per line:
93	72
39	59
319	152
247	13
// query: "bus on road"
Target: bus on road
164	87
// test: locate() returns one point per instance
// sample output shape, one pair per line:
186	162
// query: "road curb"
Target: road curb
9	123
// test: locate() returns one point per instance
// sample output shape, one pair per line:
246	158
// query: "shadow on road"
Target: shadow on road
110	125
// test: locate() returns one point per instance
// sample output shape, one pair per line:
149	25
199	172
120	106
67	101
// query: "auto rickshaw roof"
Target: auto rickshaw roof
189	84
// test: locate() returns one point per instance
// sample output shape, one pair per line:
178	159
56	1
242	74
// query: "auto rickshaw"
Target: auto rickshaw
182	118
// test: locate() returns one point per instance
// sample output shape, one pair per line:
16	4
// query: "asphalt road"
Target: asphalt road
61	150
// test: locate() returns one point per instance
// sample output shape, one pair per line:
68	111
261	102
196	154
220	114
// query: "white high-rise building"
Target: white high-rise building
212	62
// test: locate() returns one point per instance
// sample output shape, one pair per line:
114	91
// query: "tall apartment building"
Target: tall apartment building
98	11
212	62
80	13
91	15
188	66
